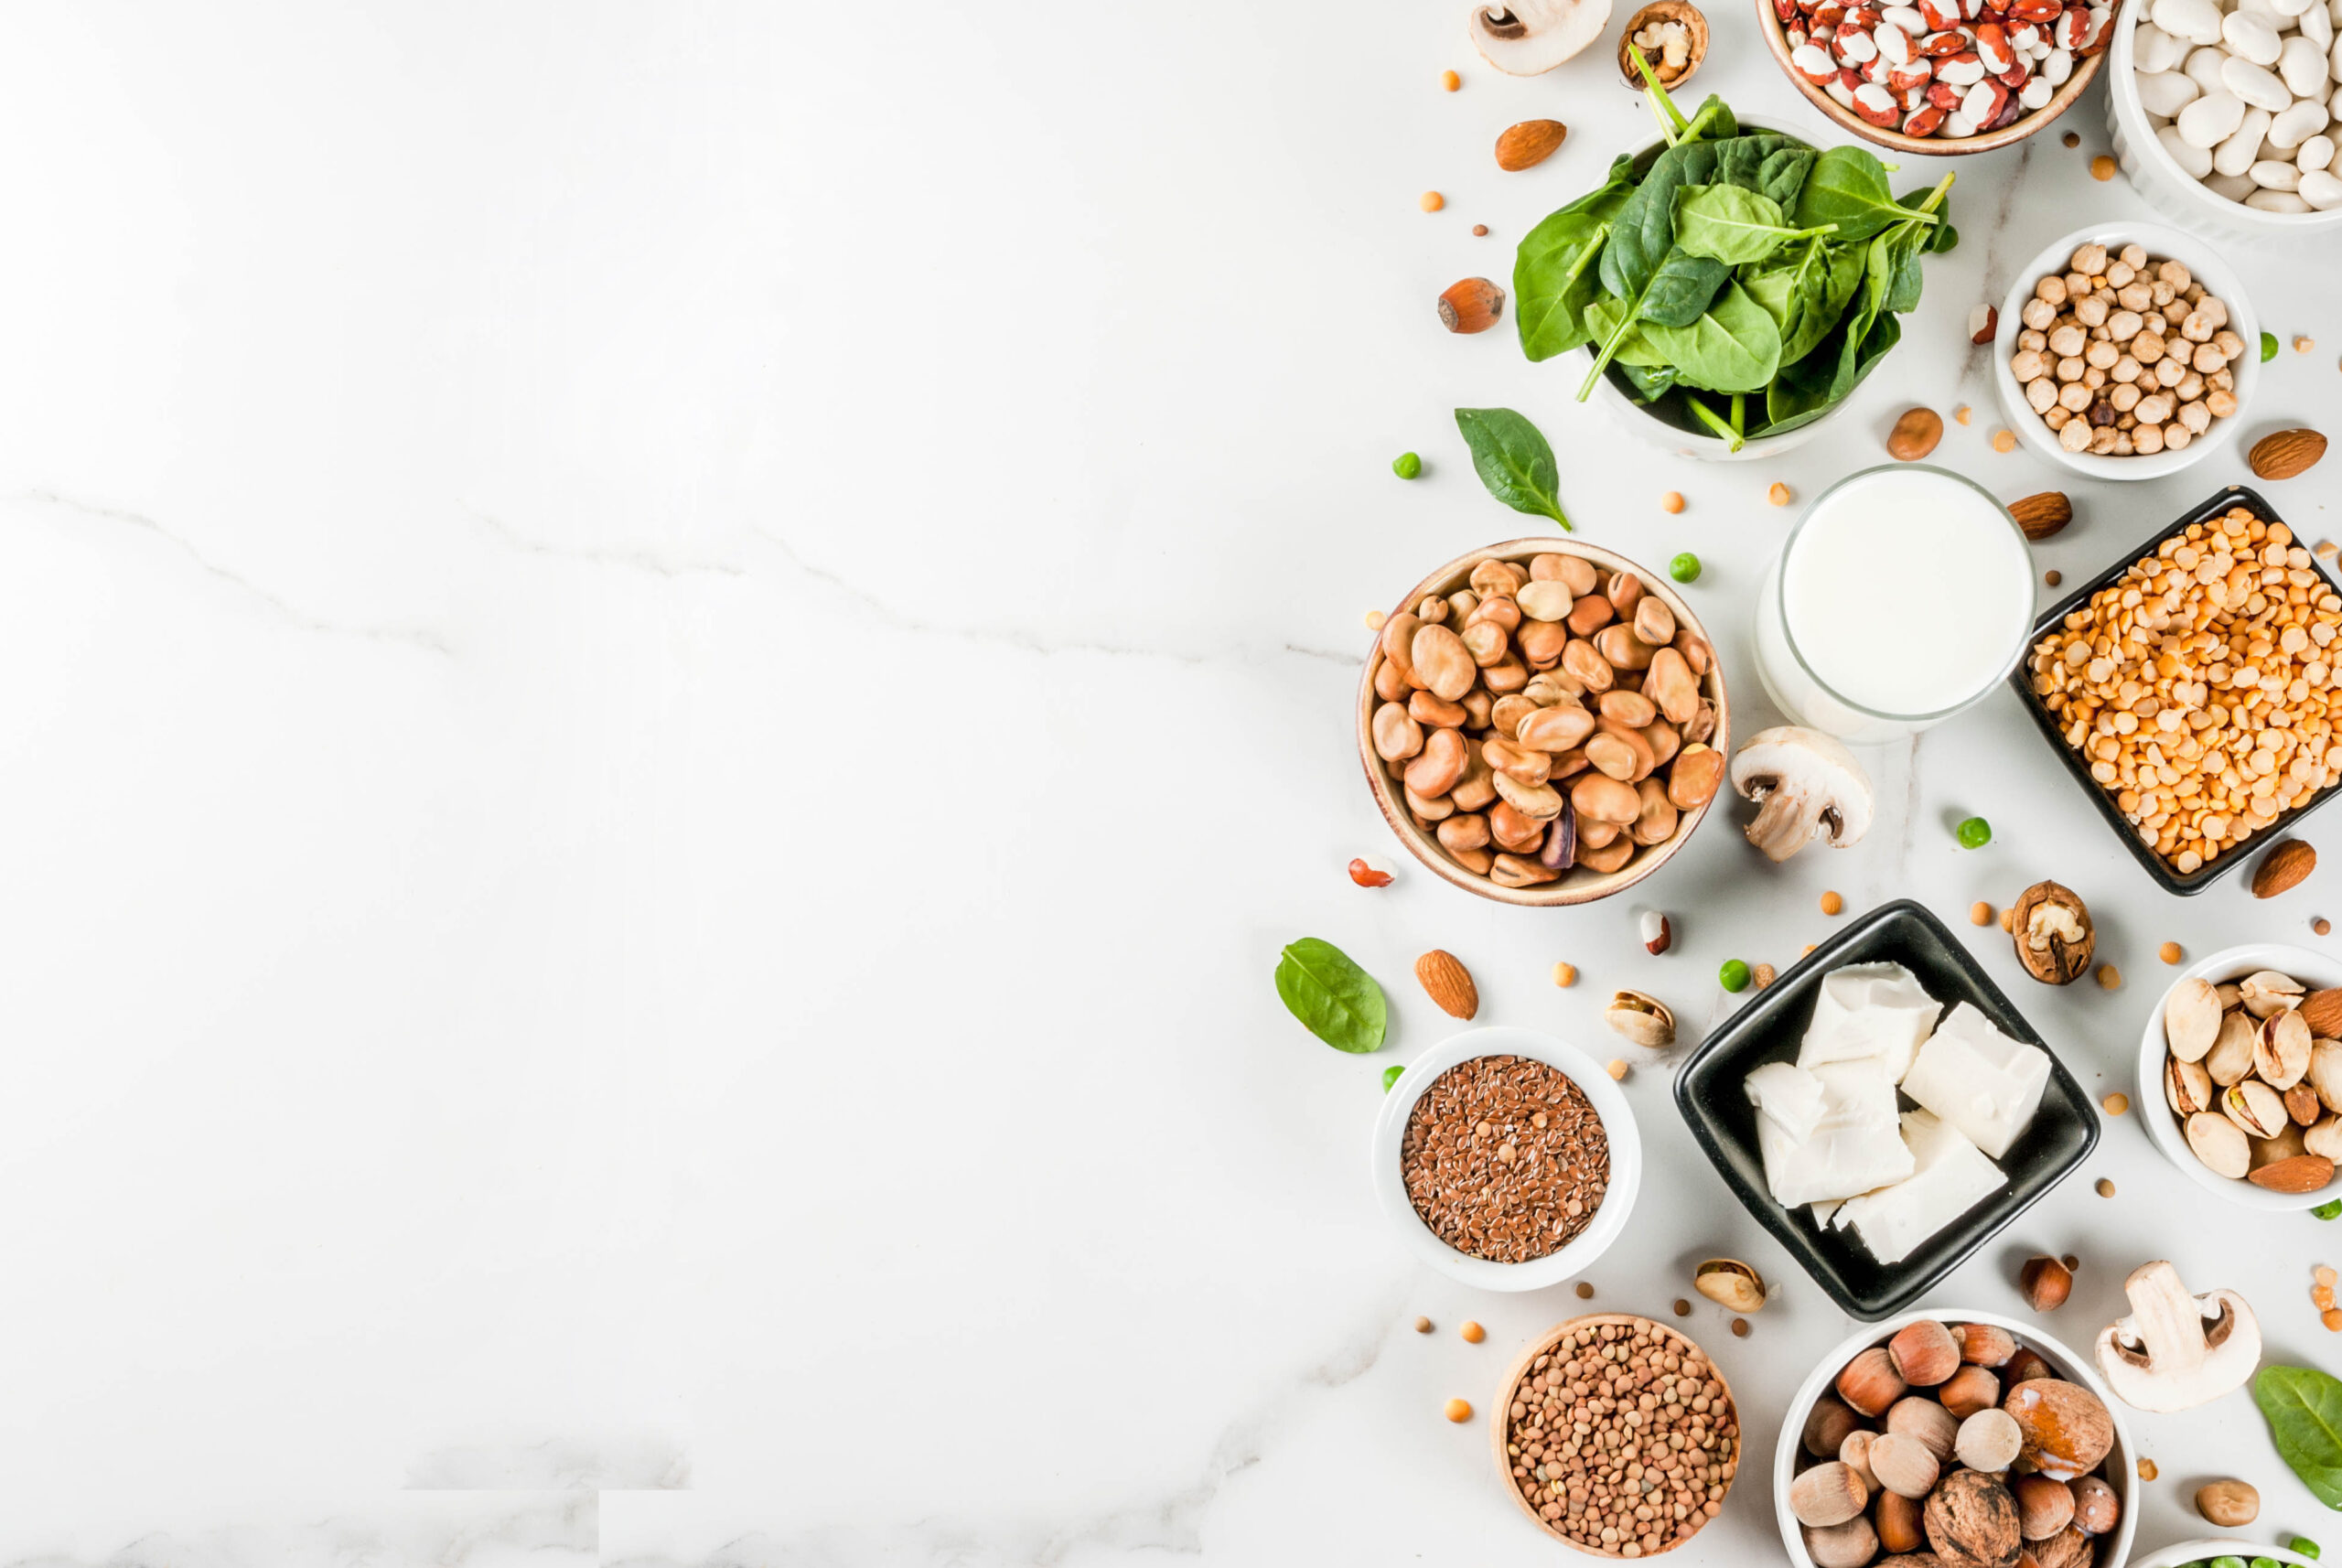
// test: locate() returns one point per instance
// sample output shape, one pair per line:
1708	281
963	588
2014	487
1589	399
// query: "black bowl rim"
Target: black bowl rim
2171	881
1779	1222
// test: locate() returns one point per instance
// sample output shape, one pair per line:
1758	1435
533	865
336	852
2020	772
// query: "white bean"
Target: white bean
2266	10
2315	154
2234	187
2055	66
2302	65
2198	21
2297	125
2276	201
2251	38
2196	161
2037	91
1960	73
2241	150
2274	174
1907	18
2167	92
2334	60
2203	68
2153	51
2292	8
2317	27
2257	85
2211	120
1956	126
2322	190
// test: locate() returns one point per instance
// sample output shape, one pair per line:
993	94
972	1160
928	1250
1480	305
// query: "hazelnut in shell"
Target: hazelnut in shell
1989	1440
2044	1506
2026	1367
1870	1382
1828	1426
2054	936
1900	1523
1924	1421
1984	1344
1971	1523
1904	1466
2097	1510
1971	1388
2069	1547
1847	1545
1828	1494
2046	1282
1925	1353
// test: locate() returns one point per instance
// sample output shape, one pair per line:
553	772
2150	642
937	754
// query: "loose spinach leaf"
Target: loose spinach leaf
1335	999
1514	460
1848	187
1683	288
1733	348
2304	1407
1731	225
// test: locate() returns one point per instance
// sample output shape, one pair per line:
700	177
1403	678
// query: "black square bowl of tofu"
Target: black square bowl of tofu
1884	1110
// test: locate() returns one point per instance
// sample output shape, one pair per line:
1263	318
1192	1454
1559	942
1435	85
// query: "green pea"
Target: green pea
1407	464
1975	834
2266	1562
2329	1210
1684	568
1734	975
2228	1563
1391	1076
2302	1546
2268	347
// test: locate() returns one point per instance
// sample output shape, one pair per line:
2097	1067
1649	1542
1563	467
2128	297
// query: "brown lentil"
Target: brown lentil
1487	1181
1432	201
1479	231
1585	1291
1763	975
1564	975
2321	926
2200	688
1682	1308
2003	440
2102	168
1778	495
1450	81
2073	1264
1672	501
2147	1471
1616	1070
2052	577
2109	977
1623	1439
1740	1329
2105	1188
1423	1325
2073	138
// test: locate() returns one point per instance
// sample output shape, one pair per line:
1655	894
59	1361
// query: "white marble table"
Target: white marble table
674	673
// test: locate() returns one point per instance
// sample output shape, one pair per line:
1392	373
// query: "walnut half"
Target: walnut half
2054	935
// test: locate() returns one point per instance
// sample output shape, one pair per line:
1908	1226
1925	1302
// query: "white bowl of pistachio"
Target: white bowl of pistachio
2241	1074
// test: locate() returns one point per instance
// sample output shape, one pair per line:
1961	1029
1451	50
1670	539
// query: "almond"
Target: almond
2284	868
2322	1011
1449	983
1471	306
1532	142
2286	453
2043	515
2303	1172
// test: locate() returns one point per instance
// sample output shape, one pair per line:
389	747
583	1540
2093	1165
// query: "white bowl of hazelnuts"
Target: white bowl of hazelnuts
1954	1436
2126	351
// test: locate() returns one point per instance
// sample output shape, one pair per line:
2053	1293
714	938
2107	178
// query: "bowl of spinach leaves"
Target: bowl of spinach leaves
1730	284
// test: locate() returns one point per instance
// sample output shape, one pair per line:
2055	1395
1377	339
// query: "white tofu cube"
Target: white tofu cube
1979	1080
1856	1146
1790	1096
1869	1010
1951	1177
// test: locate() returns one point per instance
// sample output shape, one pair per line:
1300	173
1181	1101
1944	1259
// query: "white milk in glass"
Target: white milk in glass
1903	595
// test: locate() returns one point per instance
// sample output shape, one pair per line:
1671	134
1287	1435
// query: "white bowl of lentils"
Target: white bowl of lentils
1506	1159
2109	306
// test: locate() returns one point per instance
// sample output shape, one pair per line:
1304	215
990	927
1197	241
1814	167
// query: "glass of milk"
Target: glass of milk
1902	596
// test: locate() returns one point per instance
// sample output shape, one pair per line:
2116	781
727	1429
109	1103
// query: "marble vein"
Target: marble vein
629	560
282	611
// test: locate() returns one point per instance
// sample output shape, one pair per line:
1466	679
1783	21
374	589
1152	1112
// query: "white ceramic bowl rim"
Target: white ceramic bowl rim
2207	266
2313	968
2076	1368
1609	1104
2124	64
2183	1551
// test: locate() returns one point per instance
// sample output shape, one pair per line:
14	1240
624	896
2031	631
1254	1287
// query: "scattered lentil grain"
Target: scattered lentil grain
1778	495
2325	1276
1980	913
1764	976
2105	1188
2052	577
1740	1329
2109	977
1671	502
2321	926
1423	1325
2003	440
1682	1308
2147	1471
1564	975
1616	1070
1479	231
1487	1180
2304	345
1473	1333
2073	1264
2171	952
1831	905
1460	1411
2102	168
2073	138
1963	415
1432	201
1374	619
1450	81
2116	1103
1585	1291
2332	1318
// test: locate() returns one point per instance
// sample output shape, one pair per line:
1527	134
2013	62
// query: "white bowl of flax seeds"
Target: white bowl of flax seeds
1506	1159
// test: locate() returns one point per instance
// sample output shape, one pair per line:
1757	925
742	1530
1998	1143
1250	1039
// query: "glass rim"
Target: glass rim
1788	637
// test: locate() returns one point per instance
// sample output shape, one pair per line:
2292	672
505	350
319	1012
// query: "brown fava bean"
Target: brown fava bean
1478	705
1541	642
1445	665
1561	727
1654	823
1389	683
1623	649
1477	787
1517	762
1398	642
1594	835
1671	687
1396	733
1612	756
1509	710
1664	740
1582	663
1495	577
1548	568
1511	830
1506	676
1465	830
1627	707
1485	641
1591	612
1694	780
1702	725
1545	599
1512	871
1597	797
1539	802
1609	857
1440	766
1654	622
1478	861
1504	610
1424	708
1430	810
1625	593
1632	738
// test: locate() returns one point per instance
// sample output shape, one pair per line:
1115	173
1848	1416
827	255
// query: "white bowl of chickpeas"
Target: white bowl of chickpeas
2126	351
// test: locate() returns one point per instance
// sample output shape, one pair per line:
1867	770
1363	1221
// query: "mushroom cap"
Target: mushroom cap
2178	1350
1528	37
1813	769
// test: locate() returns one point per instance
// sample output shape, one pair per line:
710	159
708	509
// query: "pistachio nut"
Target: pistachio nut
2255	1107
2191	1019
2269	991
1642	1019
2325	1072
2285	1145
2231	996
2220	1144
2230	1058
2053	932
2326	1138
2186	1086
1731	1284
2281	1051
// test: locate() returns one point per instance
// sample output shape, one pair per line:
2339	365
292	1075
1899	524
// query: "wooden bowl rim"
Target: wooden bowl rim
1566	893
2007	136
1670	10
1520	1370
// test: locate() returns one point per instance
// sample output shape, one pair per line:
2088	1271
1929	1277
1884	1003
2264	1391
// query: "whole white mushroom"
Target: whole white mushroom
1806	787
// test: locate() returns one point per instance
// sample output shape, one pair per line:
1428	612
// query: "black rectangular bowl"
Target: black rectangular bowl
2156	866
1709	1093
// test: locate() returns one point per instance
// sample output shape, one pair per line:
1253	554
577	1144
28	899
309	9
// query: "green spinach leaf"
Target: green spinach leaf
1335	999
1605	316
1683	288
1782	175
1827	279
1651	383
1731	225
2304	1407
1514	460
1554	274
1848	187
1735	348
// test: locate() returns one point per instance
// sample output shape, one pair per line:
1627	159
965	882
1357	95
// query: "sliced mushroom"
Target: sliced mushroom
1806	785
2178	1350
1528	37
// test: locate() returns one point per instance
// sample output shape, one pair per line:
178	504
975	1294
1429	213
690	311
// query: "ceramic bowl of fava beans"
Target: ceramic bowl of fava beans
1543	723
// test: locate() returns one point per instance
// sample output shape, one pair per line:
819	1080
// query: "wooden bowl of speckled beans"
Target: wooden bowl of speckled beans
1682	1501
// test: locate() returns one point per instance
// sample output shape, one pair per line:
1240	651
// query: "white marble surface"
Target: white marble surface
675	672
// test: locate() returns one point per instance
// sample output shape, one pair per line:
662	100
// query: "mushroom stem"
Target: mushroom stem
1786	821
